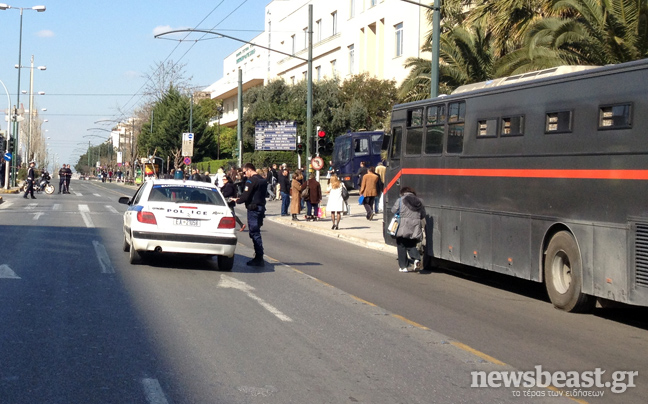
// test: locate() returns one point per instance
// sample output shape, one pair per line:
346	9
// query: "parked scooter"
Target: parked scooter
43	184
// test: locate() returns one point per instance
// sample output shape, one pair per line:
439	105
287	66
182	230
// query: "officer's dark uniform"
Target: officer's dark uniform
254	198
68	177
61	175
30	182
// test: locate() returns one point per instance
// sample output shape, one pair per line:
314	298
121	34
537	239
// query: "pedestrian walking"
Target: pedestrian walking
381	171
30	181
295	194
284	190
313	199
229	192
253	197
369	190
410	232
336	204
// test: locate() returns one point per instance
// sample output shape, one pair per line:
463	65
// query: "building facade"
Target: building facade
349	37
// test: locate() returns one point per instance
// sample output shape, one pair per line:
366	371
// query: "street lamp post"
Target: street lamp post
436	33
7	166
39	9
31	101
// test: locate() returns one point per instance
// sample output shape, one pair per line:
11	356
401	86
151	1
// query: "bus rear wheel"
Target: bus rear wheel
563	273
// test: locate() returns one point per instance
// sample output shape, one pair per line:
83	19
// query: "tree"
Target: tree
163	76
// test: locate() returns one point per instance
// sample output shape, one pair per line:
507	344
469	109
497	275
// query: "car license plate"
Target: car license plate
186	222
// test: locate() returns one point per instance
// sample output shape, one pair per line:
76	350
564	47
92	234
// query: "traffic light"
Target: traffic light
11	145
321	134
300	148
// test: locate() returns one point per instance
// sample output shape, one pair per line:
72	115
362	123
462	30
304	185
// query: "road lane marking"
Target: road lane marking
85	215
78	193
102	256
38	214
7	273
97	195
6	205
31	206
229	282
56	206
153	392
111	209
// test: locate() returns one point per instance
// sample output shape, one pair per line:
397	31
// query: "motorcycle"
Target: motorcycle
42	184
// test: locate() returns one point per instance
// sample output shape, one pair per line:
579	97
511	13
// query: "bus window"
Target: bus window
342	153
395	151
413	141
457	111
615	117
455	138
513	126
376	144
415	117
558	122
436	115
361	147
434	139
487	128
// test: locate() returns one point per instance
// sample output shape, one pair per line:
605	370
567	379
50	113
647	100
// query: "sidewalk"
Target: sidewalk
354	228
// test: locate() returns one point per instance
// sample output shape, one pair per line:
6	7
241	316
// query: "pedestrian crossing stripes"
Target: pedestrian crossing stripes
83	208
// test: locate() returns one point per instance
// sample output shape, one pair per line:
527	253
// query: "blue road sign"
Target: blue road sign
7	156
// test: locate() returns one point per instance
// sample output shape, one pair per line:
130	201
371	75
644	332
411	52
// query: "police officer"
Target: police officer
253	197
68	177
61	175
30	181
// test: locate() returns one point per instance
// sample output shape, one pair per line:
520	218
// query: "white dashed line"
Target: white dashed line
85	215
229	282
102	256
111	209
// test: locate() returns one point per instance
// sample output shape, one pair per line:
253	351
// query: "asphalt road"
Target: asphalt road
324	322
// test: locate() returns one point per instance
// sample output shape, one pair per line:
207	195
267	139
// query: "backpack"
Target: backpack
345	193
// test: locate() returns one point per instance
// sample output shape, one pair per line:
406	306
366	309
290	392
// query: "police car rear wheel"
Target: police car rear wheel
125	245
135	257
225	263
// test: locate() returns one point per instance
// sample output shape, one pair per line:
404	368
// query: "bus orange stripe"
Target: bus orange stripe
523	173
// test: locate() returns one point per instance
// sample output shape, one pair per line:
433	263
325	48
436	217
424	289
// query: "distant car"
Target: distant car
174	216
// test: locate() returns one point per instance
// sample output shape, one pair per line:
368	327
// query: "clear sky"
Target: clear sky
98	52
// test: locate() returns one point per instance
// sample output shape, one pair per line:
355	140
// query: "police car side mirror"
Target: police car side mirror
124	200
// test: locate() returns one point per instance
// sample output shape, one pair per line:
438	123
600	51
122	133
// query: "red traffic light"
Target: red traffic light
321	133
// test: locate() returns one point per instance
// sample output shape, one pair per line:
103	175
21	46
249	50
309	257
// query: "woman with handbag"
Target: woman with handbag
409	232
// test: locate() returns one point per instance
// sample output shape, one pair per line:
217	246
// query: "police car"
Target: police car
175	216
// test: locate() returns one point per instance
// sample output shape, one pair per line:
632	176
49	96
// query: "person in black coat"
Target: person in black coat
229	192
30	181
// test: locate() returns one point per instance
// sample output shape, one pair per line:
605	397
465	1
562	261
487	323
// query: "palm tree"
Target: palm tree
466	57
596	32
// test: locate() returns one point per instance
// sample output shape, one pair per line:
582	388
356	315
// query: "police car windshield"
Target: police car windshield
186	194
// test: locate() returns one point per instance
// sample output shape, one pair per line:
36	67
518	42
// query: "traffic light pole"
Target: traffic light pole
6	147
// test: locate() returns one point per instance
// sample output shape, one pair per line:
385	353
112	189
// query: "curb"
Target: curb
334	234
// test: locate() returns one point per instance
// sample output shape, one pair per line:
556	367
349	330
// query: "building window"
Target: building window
318	26
351	8
351	59
304	75
373	3
318	73
292	47
615	116
305	38
333	71
334	15
399	39
292	80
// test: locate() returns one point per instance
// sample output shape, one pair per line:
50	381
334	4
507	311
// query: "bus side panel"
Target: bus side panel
610	279
449	229
477	239
511	247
